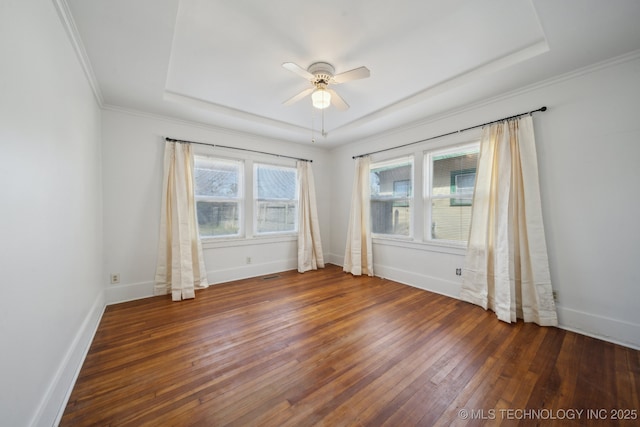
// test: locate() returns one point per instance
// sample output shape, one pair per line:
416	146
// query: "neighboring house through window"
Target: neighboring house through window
219	191
391	197
449	182
276	199
462	184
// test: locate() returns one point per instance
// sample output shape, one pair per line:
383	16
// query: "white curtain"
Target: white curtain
180	268
309	243
506	267
358	256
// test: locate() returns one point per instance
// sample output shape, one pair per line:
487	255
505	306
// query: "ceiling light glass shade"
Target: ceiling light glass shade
321	98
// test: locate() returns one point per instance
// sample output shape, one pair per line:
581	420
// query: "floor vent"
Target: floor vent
274	276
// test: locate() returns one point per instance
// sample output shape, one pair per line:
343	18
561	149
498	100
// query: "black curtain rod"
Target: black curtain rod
236	148
451	133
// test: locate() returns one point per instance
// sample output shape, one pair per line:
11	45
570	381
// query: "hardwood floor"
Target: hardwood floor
327	348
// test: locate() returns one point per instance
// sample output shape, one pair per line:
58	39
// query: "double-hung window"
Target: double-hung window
218	190
449	184
276	199
392	197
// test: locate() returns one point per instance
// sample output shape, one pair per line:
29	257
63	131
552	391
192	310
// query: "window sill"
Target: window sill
448	248
247	241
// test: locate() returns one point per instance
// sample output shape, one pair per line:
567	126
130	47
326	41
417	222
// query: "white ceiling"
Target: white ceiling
219	62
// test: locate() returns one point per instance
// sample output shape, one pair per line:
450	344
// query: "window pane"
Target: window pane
276	199
391	217
276	216
391	194
454	171
276	182
464	182
391	180
453	174
218	218
450	221
217	178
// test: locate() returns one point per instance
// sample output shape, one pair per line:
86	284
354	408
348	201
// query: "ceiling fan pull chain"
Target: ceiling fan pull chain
313	125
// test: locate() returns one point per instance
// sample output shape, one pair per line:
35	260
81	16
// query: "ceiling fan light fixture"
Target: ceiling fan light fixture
320	98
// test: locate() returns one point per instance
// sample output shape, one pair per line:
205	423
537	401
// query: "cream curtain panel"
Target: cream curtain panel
358	255
180	267
506	267
310	255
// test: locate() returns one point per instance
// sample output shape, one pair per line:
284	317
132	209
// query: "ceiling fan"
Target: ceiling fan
321	75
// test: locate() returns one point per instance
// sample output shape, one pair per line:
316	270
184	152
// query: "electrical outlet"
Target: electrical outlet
458	272
248	260
115	277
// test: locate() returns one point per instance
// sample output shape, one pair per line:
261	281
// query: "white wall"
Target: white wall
588	149
133	145
55	261
50	219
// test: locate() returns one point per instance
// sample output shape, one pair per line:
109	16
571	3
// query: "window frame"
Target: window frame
409	198
239	199
257	200
428	197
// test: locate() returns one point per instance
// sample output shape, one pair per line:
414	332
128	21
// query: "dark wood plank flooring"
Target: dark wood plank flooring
327	348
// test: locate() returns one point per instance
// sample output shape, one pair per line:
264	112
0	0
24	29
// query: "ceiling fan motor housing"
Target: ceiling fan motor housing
322	71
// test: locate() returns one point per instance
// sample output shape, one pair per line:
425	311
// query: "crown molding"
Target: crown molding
66	18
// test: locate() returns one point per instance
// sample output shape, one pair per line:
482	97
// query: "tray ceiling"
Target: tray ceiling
220	62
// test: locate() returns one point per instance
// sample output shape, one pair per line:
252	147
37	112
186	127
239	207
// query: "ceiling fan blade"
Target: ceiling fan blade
355	74
299	70
298	97
337	101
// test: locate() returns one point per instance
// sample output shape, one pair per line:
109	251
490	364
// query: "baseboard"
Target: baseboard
604	328
421	281
251	270
128	292
334	259
134	291
52	405
612	330
417	280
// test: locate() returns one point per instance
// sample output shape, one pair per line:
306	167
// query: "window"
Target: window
391	197
219	199
449	182
276	199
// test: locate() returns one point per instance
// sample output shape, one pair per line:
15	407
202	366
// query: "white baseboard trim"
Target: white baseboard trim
134	291
417	280
250	270
615	331
128	292
409	278
334	259
51	407
604	328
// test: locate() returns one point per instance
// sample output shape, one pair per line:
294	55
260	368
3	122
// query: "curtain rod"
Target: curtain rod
236	148
451	133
